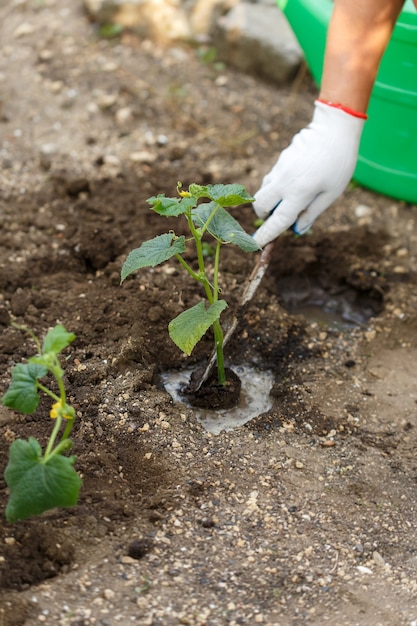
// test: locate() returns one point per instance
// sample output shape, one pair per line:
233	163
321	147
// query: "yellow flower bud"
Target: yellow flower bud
54	410
57	409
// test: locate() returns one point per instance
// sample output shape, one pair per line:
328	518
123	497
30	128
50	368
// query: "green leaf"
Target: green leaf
57	339
22	394
188	327
36	486
108	31
224	227
171	207
225	195
153	252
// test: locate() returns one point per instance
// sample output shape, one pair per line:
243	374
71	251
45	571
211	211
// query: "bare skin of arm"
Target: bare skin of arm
359	32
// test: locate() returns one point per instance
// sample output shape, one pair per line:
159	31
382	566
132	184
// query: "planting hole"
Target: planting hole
338	309
254	398
334	280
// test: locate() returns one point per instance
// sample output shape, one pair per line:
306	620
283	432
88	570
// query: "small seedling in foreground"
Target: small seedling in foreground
40	481
205	211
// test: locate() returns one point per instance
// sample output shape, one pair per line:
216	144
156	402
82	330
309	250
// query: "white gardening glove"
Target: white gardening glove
311	173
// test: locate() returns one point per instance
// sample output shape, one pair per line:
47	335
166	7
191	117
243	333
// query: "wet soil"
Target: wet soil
210	394
306	514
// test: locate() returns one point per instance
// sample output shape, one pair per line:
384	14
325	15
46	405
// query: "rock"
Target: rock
47	153
257	39
370	335
124	116
379	560
108	594
23	29
142	156
106	100
254	36
161	21
166	21
205	13
363	210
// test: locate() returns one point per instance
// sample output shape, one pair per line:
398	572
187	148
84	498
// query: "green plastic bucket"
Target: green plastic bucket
387	160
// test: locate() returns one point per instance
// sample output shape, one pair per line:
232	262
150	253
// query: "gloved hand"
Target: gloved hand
311	173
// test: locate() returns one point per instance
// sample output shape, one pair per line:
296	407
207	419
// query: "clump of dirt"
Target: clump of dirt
212	395
34	555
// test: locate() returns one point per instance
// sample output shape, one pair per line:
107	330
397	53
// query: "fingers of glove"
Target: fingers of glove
271	191
299	172
265	200
316	208
282	218
324	199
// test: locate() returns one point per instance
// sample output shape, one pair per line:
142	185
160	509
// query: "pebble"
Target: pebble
363	210
370	335
328	443
10	541
127	560
109	66
45	55
379	560
48	149
111	159
124	116
402	252
56	86
142	156
221	81
24	29
108	594
106	100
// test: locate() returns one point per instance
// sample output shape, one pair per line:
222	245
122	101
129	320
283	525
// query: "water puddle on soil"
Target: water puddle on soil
341	311
254	398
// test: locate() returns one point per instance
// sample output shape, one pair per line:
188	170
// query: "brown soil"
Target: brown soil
211	395
305	515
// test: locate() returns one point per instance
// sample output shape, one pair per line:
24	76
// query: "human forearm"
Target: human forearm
359	32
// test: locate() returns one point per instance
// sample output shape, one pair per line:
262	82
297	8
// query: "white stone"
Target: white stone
257	39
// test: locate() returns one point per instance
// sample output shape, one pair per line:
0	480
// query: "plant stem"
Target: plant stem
218	332
30	333
50	450
218	340
216	289
50	393
212	292
52	438
212	214
66	444
67	430
189	269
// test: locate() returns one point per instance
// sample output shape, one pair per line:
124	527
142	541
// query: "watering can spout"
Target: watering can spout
309	19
